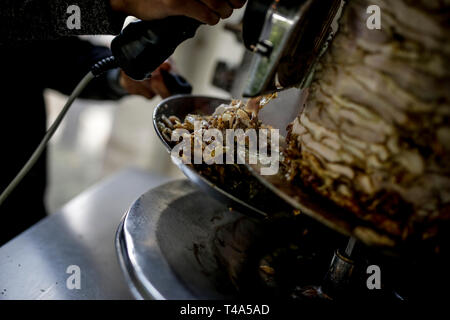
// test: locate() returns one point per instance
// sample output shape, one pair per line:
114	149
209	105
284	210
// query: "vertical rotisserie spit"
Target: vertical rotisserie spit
374	135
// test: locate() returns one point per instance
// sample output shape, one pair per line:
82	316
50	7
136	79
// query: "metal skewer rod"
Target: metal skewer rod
350	246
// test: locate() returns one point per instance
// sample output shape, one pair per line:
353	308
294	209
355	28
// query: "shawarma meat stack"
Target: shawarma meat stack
374	134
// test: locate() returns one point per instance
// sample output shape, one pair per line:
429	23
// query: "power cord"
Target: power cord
100	67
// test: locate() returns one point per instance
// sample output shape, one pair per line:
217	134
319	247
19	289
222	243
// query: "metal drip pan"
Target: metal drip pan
164	244
176	242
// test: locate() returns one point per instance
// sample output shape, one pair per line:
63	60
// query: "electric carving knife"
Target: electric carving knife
286	36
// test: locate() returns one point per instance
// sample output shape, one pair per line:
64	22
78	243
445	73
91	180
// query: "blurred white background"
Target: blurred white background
98	138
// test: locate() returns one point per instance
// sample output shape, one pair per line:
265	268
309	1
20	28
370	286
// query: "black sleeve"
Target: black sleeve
68	60
26	20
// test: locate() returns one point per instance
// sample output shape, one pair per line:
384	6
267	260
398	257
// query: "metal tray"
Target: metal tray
175	242
164	244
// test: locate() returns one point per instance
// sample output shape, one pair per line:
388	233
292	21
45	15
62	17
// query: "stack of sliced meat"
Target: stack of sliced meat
374	135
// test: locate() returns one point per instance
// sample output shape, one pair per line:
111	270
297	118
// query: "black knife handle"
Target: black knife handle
144	45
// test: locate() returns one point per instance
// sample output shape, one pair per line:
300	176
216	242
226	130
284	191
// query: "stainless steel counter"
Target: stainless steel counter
34	264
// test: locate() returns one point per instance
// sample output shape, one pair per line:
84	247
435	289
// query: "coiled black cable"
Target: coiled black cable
104	65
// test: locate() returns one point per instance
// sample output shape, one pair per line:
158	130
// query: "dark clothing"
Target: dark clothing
30	62
25	20
26	70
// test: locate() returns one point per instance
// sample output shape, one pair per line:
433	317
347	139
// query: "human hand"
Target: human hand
206	11
150	87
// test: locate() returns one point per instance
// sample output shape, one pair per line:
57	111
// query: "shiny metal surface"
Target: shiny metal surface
178	243
280	112
34	264
338	278
165	244
291	38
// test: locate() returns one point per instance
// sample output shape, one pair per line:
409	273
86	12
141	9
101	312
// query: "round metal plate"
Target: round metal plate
165	248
